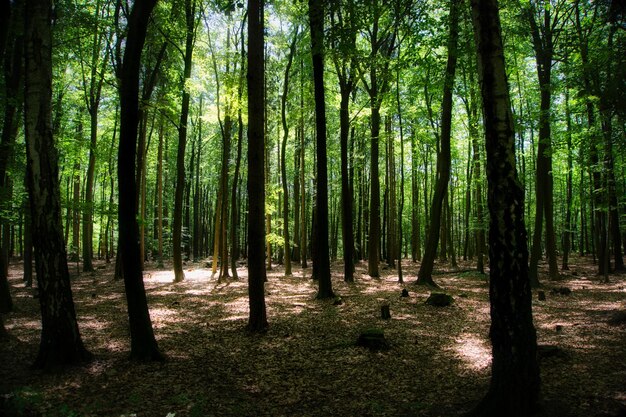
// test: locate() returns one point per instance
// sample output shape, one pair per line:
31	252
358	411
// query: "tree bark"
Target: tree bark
12	44
544	182
424	276
61	343
316	19
179	274
257	321
515	382
283	157
143	342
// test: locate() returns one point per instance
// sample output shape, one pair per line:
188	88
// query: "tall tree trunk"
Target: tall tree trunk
143	345
401	207
303	218
179	274
159	194
544	183
346	74
234	221
568	213
61	343
515	382
283	158
424	276
316	19
416	252
257	321
28	246
12	44
598	223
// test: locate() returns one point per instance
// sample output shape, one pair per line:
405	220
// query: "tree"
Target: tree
143	344
316	21
543	43
345	62
190	26
515	382
283	158
256	167
61	343
383	43
92	80
11	54
424	276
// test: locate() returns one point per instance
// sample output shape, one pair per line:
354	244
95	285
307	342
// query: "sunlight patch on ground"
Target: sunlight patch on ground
20	323
473	351
159	314
94	323
237	309
165	276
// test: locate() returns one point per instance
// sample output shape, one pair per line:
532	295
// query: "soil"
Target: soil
308	363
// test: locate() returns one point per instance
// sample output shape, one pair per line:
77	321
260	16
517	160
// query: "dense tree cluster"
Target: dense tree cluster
279	132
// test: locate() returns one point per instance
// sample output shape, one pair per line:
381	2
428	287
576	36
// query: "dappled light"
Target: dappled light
439	357
475	352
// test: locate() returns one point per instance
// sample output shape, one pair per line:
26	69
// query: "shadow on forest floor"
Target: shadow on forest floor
308	364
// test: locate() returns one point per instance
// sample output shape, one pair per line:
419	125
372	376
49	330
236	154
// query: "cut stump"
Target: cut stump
373	339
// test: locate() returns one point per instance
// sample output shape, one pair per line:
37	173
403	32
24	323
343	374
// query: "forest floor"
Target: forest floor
308	364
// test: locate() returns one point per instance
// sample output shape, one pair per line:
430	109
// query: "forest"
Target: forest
332	207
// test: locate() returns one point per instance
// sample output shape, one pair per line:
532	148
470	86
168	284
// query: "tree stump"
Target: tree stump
439	299
373	339
405	293
385	314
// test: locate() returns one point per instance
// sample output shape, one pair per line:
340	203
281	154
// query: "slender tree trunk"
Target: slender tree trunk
424	276
28	246
12	44
256	166
179	275
401	208
568	214
303	218
316	19
88	203
143	343
283	158
61	343
543	45
159	192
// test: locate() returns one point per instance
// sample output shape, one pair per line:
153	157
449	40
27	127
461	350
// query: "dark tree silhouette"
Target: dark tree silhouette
143	344
256	167
316	18
424	276
514	388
